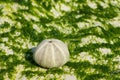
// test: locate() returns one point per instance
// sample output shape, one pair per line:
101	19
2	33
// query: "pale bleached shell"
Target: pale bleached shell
51	53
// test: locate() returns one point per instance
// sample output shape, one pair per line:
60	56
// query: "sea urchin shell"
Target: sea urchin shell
51	53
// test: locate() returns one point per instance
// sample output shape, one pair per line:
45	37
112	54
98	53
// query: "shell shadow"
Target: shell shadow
29	56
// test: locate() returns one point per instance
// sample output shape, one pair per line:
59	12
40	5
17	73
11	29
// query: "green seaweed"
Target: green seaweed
18	33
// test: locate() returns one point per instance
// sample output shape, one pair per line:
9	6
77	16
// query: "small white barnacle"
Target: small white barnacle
51	53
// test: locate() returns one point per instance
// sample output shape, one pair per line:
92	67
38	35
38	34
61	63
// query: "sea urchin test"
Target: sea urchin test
51	53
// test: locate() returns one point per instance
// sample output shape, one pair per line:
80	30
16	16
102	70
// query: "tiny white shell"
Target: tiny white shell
51	53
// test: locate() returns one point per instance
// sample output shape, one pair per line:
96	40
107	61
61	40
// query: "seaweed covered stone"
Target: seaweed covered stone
51	53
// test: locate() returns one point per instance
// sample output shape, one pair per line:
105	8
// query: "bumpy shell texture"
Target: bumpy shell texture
51	53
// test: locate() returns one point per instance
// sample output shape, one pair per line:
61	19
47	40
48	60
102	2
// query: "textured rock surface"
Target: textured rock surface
90	28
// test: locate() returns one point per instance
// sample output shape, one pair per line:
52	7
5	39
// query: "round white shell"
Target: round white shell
51	53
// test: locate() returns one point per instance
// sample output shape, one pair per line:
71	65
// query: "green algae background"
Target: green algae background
90	28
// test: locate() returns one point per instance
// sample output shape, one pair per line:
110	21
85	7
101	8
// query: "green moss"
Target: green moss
25	23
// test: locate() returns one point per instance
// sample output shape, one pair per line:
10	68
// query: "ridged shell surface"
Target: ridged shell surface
51	53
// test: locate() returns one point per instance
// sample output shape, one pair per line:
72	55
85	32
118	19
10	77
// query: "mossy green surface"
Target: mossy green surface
90	28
